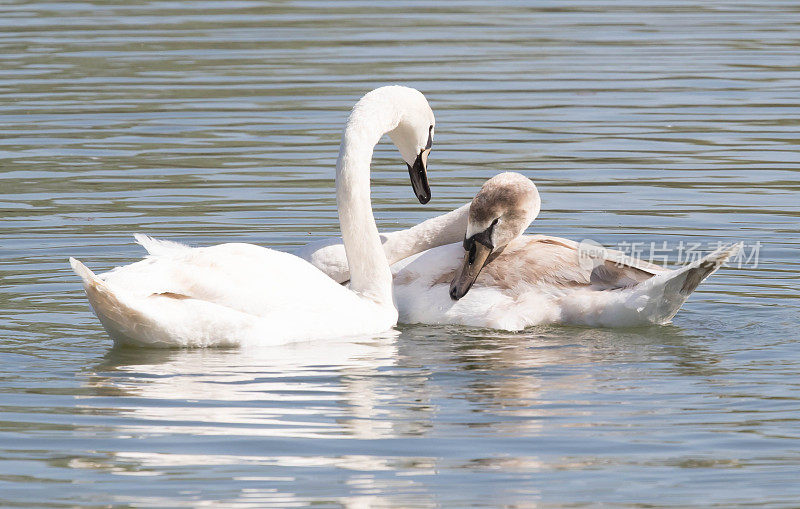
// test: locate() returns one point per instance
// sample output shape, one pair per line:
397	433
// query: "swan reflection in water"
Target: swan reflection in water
279	414
301	390
379	387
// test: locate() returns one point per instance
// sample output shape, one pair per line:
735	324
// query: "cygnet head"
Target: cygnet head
412	133
500	212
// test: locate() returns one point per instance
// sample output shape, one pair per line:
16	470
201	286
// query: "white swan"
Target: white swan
242	294
509	281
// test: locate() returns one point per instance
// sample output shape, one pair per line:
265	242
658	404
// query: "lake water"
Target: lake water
210	122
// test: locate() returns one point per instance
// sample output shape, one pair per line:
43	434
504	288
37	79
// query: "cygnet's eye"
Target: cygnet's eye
494	222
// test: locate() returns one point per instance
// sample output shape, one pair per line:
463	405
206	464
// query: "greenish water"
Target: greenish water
210	122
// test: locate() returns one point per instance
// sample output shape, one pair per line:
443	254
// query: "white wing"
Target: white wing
230	294
539	279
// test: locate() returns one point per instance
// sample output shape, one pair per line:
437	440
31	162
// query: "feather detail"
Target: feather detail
156	246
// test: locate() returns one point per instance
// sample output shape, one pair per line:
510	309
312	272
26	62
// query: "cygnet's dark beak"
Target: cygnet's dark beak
477	253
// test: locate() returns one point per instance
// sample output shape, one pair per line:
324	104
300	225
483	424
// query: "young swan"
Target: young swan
502	279
500	212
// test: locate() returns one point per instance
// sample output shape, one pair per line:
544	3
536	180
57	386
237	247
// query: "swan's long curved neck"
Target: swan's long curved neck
370	275
438	231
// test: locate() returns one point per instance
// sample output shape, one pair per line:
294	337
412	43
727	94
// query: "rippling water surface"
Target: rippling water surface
208	122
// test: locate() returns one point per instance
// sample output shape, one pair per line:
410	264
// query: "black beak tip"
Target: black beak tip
419	181
454	293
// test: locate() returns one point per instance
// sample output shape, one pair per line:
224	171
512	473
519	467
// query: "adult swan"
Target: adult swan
242	294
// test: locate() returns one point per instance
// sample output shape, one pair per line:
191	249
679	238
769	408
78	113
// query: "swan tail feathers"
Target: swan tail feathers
165	319
698	271
122	321
670	290
158	247
84	272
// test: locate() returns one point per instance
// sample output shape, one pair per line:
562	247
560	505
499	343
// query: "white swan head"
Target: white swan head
410	123
500	212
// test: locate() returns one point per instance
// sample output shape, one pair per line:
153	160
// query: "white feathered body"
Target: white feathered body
538	280
225	295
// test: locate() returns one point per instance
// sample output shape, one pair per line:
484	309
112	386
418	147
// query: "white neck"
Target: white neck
329	256
370	275
438	231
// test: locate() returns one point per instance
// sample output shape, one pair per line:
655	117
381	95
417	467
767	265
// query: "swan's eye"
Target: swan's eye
430	138
472	253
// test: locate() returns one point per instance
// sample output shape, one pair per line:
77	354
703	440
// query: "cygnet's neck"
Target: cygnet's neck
438	231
